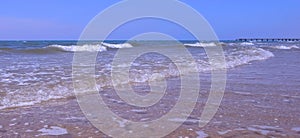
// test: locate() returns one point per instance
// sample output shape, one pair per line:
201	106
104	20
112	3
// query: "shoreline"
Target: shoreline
228	122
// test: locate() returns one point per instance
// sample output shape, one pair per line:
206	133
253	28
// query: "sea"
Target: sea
263	79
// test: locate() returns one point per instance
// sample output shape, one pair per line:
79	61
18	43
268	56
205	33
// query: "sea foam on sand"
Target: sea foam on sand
53	131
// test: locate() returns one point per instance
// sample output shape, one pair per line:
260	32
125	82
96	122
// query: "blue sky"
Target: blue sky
65	20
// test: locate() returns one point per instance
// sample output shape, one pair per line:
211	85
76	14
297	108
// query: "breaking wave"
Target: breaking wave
89	47
236	57
67	48
285	47
124	45
56	82
212	44
76	48
247	44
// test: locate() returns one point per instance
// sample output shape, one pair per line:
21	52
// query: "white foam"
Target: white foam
29	130
12	124
32	95
56	88
224	132
139	110
245	56
75	118
181	120
285	47
247	44
198	44
242	93
264	130
124	45
201	134
267	127
82	48
263	106
122	123
297	129
19	104
239	129
116	101
53	131
234	57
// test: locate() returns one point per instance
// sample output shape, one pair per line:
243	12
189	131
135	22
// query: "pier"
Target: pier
268	39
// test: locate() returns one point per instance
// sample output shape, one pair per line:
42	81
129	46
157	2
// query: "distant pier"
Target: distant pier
268	39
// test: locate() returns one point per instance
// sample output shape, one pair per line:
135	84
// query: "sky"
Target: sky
230	19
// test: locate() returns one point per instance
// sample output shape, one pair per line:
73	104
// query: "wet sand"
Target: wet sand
251	117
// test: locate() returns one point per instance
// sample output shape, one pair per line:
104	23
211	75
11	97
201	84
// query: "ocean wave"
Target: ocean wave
25	101
247	44
285	47
33	95
50	85
77	48
236	57
123	45
5	49
212	44
57	48
88	47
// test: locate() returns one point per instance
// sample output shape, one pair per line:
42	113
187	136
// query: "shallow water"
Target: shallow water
262	92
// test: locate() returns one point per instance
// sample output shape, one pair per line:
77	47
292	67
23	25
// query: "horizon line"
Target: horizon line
139	40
